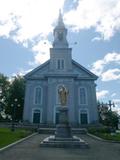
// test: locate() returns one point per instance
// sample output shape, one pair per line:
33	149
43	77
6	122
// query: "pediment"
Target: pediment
77	70
39	71
82	71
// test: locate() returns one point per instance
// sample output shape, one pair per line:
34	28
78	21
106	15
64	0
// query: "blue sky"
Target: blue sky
26	35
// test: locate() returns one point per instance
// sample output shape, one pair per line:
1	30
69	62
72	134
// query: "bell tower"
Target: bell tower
60	54
60	33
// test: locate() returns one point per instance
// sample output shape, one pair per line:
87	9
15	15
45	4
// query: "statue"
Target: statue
63	94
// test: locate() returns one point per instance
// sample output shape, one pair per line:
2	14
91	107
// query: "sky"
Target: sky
26	34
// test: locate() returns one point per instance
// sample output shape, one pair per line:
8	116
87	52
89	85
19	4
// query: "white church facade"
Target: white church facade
42	83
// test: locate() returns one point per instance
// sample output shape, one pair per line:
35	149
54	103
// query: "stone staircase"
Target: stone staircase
52	130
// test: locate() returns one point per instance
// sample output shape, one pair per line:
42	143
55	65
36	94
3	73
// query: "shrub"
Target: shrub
94	130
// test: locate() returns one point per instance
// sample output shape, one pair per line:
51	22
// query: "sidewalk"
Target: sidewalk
30	150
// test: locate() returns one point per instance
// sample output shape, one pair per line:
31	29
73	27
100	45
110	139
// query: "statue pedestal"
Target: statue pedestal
63	129
63	135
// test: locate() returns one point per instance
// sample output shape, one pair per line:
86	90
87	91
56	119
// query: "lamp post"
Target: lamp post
14	105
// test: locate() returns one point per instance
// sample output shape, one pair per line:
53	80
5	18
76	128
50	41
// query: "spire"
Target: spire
60	33
60	20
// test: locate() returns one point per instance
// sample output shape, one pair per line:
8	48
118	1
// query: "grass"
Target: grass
108	136
7	136
105	134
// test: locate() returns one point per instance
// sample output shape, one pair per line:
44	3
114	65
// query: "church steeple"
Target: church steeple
60	33
60	20
60	53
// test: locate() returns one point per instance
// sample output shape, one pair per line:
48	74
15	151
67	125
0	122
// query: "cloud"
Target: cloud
41	50
96	39
102	94
7	26
117	105
29	21
113	95
21	72
111	74
112	57
32	18
116	101
99	67
103	15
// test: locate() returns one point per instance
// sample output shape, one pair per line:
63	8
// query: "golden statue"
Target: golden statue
63	94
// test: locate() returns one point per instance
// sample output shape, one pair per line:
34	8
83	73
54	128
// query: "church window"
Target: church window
82	95
60	64
38	95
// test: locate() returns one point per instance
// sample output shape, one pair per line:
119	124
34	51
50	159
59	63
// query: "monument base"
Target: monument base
63	135
74	142
63	131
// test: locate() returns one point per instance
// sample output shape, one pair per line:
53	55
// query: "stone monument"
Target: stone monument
63	135
63	129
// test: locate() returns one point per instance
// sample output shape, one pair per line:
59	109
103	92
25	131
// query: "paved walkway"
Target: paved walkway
30	150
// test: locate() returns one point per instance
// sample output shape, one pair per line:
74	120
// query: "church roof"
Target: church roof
78	72
85	70
39	68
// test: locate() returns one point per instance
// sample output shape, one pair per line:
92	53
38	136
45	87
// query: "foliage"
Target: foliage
7	136
4	87
108	117
9	92
114	137
111	119
105	133
95	130
16	91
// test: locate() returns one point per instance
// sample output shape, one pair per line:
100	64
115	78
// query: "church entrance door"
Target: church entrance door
36	116
84	118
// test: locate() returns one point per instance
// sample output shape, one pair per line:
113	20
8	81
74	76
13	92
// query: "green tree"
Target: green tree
16	91
4	91
111	119
107	116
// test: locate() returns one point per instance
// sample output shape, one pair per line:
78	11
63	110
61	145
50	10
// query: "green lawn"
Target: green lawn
108	136
105	133
8	137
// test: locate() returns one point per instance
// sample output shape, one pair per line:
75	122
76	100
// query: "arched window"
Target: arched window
38	95
82	95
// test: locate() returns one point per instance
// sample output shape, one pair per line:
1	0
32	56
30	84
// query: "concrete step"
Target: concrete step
73	142
52	130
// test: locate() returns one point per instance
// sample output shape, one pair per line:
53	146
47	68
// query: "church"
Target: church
42	84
